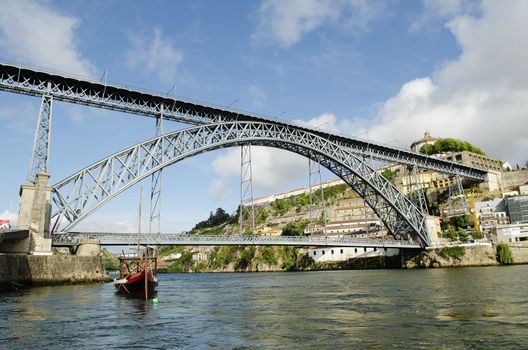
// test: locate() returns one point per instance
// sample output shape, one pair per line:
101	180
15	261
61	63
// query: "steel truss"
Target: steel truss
40	152
314	178
247	209
155	186
82	193
73	238
24	80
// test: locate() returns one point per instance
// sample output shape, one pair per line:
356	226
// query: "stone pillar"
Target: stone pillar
89	247
433	228
35	213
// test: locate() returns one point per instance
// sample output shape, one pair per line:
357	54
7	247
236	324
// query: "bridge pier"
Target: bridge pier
33	219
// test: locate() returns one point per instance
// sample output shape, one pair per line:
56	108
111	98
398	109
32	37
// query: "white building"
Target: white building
339	254
514	233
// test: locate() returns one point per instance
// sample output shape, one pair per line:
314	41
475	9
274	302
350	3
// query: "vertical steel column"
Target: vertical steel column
416	193
155	189
41	142
458	204
369	162
246	188
314	177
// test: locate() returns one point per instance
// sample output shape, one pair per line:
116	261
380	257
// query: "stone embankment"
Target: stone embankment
86	266
276	259
462	256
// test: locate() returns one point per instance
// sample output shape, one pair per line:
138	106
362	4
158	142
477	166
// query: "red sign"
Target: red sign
5	225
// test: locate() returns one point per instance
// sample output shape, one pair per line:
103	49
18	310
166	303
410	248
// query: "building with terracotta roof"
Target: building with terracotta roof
427	139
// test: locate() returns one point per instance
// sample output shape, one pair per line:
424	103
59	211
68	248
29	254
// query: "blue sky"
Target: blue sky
384	70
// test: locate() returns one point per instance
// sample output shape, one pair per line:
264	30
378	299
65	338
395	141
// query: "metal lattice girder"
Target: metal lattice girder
247	208
74	238
314	177
40	152
155	188
82	193
415	190
62	87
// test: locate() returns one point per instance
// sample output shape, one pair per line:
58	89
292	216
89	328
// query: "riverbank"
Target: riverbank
276	259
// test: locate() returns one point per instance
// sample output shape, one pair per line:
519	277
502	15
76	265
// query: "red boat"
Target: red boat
137	277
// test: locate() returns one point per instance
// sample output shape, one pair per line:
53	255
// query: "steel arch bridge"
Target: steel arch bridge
82	193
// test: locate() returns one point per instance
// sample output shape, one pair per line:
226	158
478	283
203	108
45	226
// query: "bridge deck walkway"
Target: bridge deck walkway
112	239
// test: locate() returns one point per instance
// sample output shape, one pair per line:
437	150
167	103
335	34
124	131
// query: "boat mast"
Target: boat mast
139	219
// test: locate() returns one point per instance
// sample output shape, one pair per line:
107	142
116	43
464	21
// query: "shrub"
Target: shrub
293	229
504	254
454	252
267	255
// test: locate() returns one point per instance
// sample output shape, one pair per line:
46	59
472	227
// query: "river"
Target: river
463	308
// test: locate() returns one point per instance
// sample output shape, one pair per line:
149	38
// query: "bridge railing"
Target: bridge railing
74	238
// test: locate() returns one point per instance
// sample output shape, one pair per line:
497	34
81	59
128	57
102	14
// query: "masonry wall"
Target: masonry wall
514	178
54	269
519	254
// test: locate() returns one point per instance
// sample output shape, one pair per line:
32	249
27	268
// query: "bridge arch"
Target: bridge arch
77	196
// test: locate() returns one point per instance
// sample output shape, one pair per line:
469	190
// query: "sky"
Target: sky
385	71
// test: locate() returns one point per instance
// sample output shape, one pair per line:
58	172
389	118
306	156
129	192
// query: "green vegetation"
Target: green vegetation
184	264
267	256
110	261
456	222
281	206
220	257
294	228
289	257
219	217
388	174
504	254
449	145
453	252
455	228
455	234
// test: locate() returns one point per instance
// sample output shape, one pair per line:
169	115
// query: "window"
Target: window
315	253
323	252
332	251
341	251
375	249
385	249
355	250
365	249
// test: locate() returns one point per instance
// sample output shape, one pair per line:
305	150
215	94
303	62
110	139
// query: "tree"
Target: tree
219	217
293	229
388	174
449	145
526	164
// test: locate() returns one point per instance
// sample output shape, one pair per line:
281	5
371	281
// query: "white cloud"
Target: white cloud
272	168
9	215
435	10
218	189
285	22
481	97
154	53
41	36
20	118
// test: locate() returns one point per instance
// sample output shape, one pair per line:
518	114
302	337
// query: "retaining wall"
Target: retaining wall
52	269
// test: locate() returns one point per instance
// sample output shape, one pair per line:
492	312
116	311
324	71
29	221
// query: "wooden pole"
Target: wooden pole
146	277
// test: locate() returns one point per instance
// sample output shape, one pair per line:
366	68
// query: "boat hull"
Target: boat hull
134	285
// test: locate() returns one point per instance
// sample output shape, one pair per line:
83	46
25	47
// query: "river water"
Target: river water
463	308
